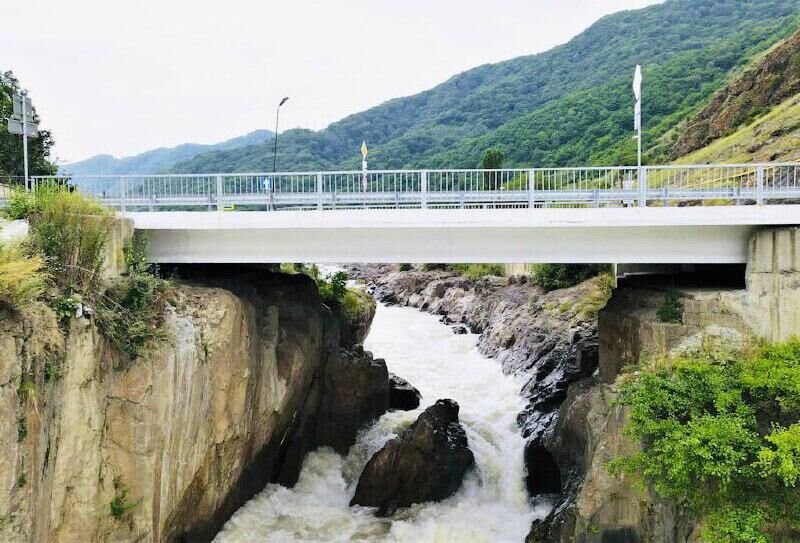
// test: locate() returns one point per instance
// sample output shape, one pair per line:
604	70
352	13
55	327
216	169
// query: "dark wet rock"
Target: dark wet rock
426	462
355	392
402	395
460	329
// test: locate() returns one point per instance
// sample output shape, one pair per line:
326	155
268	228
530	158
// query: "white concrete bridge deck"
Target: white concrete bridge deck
706	234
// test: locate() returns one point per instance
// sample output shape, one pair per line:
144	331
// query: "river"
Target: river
492	504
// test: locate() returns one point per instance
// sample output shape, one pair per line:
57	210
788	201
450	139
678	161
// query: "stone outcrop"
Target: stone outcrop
179	438
402	395
426	462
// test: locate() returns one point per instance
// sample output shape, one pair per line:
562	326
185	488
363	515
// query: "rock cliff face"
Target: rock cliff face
769	82
181	437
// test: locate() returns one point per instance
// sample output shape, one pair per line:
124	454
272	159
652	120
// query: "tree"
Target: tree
11	161
492	160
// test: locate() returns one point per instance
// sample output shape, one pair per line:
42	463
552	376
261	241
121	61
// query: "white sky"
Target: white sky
125	76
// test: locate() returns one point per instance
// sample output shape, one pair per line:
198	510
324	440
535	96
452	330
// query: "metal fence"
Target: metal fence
743	184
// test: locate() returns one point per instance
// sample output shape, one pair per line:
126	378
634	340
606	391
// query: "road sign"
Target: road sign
17	102
15	127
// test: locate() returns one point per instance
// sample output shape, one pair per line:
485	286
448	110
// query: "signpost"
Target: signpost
637	122
364	152
18	123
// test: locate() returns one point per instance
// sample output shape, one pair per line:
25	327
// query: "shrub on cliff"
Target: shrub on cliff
130	311
558	276
721	435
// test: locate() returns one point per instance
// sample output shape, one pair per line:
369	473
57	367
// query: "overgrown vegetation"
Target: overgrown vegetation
670	310
121	505
22	276
599	293
720	435
478	271
63	262
558	276
70	230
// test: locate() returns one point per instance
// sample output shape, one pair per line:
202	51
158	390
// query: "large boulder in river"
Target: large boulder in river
402	395
426	462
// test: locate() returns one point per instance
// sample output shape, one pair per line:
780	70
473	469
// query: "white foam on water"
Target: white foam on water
492	504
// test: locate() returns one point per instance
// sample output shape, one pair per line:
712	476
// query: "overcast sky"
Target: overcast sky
123	77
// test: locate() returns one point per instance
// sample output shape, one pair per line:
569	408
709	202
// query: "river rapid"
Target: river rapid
492	504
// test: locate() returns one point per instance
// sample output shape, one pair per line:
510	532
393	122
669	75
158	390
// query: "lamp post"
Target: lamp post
275	147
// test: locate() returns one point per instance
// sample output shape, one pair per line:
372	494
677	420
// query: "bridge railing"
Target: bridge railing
741	184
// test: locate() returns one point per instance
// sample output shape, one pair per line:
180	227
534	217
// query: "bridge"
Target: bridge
653	214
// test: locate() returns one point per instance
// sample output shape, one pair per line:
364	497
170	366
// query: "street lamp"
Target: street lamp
275	149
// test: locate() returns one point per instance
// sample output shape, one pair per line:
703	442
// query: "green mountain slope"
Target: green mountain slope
158	160
451	123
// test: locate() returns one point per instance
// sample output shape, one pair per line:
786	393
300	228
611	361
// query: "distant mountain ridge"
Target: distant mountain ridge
158	160
569	105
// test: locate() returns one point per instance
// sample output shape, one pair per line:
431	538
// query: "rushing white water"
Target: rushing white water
492	504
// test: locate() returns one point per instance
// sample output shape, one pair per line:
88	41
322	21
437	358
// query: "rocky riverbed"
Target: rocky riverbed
548	339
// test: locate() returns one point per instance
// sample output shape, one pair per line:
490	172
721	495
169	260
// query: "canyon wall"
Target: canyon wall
166	447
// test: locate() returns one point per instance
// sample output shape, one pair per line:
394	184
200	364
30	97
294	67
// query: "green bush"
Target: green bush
558	276
671	308
405	267
478	271
20	204
22	277
721	435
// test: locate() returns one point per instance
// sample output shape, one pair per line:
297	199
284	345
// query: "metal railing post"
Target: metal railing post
759	185
219	194
423	187
642	187
319	191
123	191
531	189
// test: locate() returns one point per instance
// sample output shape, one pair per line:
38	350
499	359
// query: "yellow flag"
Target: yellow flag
364	150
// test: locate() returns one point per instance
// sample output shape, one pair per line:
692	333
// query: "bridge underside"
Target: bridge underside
717	235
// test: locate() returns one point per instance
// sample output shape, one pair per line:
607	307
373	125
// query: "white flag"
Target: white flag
637	83
637	116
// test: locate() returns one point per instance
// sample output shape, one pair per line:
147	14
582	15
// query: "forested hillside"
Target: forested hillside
158	160
569	105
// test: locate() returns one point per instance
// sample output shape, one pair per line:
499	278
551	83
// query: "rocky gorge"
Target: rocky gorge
571	357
